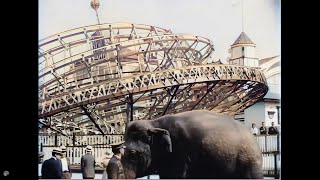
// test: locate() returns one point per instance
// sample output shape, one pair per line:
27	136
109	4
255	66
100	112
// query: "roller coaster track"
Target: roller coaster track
99	77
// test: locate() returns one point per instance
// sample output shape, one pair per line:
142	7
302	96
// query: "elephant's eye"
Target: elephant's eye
132	151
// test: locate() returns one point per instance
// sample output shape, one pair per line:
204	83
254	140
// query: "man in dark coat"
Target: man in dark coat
273	129
51	168
88	164
115	168
263	129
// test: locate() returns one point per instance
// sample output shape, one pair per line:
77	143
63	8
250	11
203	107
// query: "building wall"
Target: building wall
249	51
271	107
255	114
274	83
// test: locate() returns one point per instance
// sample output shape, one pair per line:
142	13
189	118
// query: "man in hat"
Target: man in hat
66	170
51	168
88	164
41	155
115	168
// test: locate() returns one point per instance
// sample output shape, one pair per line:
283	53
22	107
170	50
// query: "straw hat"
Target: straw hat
57	150
63	149
108	153
89	148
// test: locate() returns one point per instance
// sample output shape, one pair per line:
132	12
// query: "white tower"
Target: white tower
243	52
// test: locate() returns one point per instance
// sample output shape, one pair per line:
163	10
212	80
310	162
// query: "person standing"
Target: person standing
263	129
115	168
254	130
41	155
88	164
273	129
52	168
104	163
66	170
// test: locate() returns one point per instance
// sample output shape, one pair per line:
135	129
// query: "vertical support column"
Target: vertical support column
129	109
275	165
278	143
277	174
55	139
118	60
73	139
278	112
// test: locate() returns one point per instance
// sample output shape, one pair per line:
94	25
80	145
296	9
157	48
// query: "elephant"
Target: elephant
192	144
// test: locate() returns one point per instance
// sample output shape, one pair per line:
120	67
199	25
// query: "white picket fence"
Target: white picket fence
268	145
75	153
269	162
49	140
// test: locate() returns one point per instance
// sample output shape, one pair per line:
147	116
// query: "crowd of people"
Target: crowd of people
58	166
263	130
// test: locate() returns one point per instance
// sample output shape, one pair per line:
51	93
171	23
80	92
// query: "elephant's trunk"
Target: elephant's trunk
130	174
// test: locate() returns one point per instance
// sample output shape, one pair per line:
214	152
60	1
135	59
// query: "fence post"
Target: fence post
275	166
56	139
73	139
265	142
278	143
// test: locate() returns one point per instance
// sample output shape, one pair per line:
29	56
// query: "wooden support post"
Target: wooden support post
275	166
129	109
56	139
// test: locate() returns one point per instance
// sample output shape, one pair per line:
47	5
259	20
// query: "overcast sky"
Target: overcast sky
218	20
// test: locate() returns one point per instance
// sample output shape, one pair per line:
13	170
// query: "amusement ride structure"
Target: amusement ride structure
99	77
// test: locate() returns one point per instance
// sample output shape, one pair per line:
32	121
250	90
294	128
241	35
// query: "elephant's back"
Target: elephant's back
215	136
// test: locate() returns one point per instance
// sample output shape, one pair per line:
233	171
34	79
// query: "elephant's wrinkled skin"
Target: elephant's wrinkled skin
194	144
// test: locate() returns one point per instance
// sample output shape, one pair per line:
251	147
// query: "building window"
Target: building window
243	51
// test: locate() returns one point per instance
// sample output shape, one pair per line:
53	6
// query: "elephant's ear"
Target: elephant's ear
160	139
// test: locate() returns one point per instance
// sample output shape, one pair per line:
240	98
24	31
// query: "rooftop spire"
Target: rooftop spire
242	15
243	39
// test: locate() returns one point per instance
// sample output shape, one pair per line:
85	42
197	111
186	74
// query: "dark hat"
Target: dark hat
117	145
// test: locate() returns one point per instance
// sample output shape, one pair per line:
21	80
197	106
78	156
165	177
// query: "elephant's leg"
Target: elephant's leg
249	171
176	169
255	172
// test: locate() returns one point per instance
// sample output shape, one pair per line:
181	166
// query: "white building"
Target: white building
267	110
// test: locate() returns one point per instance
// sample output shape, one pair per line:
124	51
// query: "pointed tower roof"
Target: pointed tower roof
243	39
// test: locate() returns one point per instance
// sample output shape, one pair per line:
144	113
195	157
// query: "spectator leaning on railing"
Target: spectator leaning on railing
254	130
273	129
263	129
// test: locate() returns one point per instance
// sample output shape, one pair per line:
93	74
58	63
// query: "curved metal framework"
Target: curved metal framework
99	77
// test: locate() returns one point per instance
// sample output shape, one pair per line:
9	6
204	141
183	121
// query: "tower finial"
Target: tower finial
242	15
95	5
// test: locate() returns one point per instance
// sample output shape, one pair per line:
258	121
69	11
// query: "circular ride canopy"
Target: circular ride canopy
96	78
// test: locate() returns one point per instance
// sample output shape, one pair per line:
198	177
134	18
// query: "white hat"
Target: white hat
57	150
109	153
89	148
63	148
